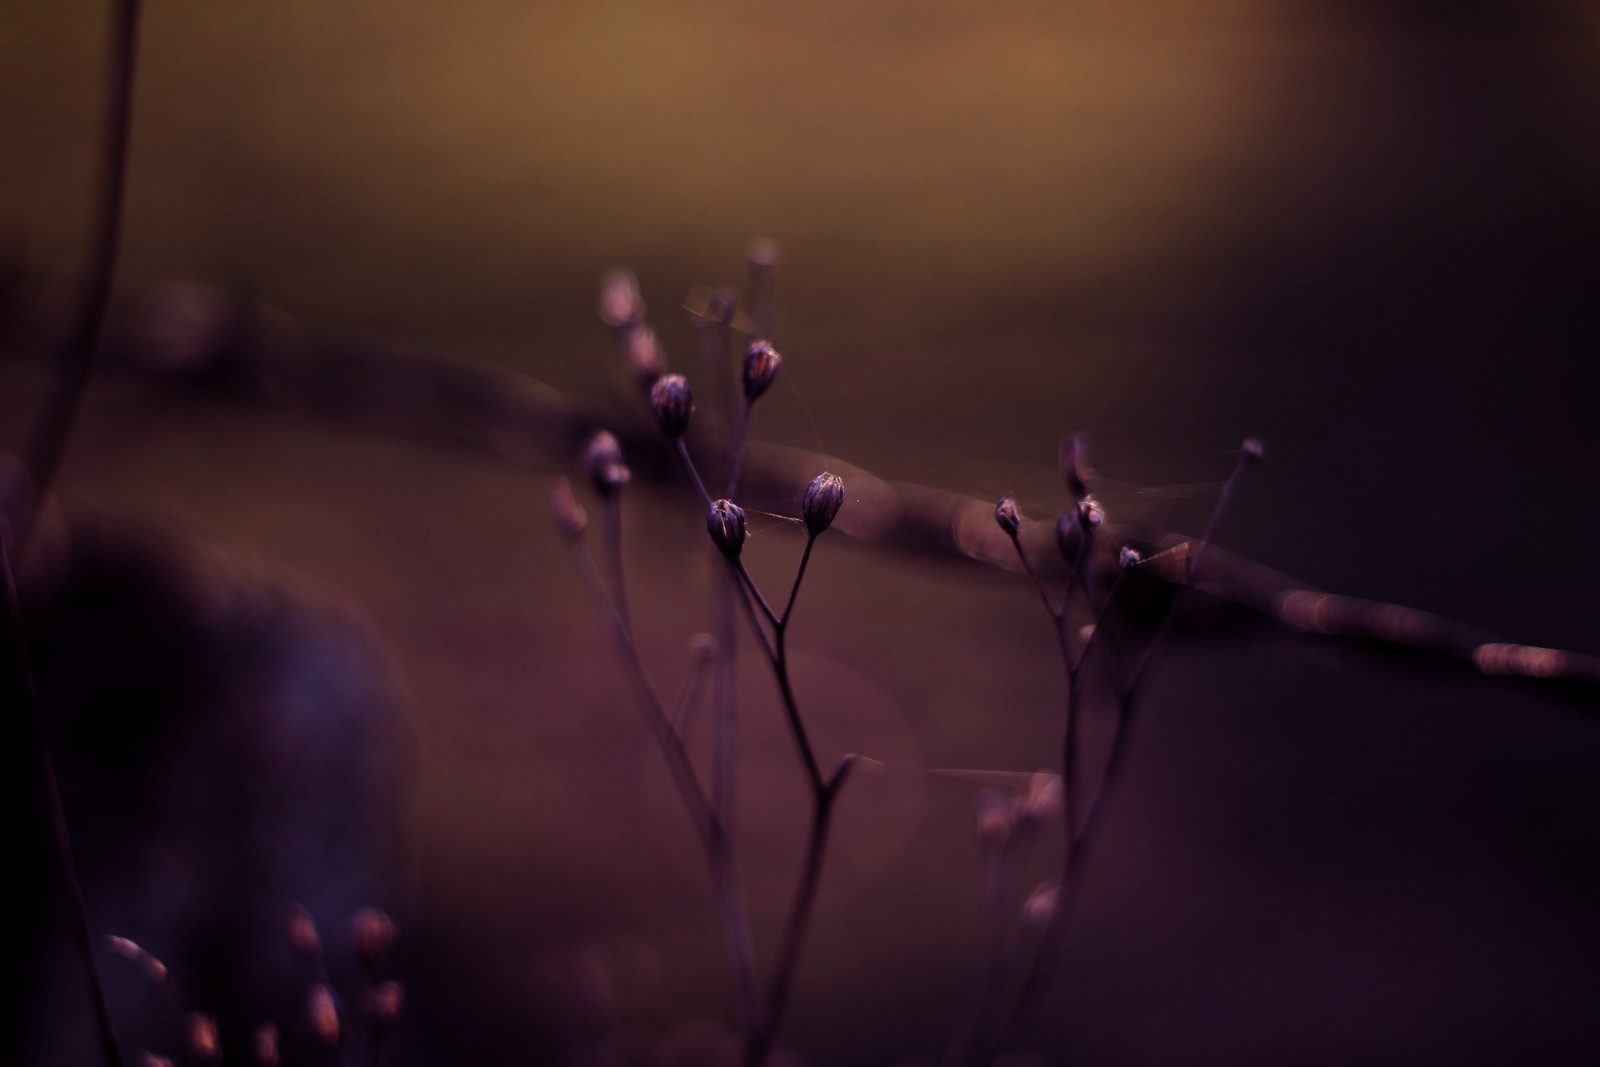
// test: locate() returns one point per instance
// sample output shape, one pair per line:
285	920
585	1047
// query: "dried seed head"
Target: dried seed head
761	363
673	403
620	303
266	1045
374	933
1040	907
384	1002
569	517
646	358
302	930
1254	449
1007	515
602	457
1129	558
822	500
994	818
323	1015
1075	470
726	523
203	1040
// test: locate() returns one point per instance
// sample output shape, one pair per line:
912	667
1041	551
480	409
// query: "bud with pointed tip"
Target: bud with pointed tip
994	818
673	403
761	363
1040	907
602	457
384	1002
822	500
1076	526
266	1045
569	517
726	523
302	930
1129	557
1008	516
1254	449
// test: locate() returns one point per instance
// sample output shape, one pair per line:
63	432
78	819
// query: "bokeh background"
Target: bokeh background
1365	232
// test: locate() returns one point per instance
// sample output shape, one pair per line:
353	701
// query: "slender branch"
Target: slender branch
611	521
760	600
1033	576
24	694
47	444
694	472
799	574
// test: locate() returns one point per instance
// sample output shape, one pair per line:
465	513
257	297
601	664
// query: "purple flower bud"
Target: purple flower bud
673	403
1254	449
1129	557
1076	526
822	500
602	458
726	523
761	365
1007	515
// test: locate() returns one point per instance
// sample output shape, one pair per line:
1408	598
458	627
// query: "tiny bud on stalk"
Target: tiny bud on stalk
673	403
726	524
761	365
323	1015
302	930
384	1003
1040	907
1129	557
620	303
266	1045
1007	515
602	457
645	355
374	934
1254	449
993	818
569	517
822	501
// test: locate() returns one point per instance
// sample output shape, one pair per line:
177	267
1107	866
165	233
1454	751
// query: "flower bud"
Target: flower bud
1076	526
265	1044
822	500
726	523
374	934
620	303
322	1014
569	517
1007	515
384	1002
302	931
1254	449
673	403
645	355
1042	799
602	457
993	818
761	363
203	1040
1129	558
1040	908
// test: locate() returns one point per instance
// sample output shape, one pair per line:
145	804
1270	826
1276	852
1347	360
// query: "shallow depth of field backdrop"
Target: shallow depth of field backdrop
1366	232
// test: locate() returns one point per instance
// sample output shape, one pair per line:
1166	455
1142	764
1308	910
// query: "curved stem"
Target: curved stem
47	444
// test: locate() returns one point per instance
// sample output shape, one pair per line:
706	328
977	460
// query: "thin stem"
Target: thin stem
1033	576
760	600
26	695
694	472
47	444
611	521
741	437
799	574
689	697
707	819
799	921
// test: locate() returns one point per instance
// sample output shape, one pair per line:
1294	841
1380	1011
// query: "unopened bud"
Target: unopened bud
569	517
994	818
1075	470
1007	515
1090	514
703	648
266	1045
726	523
1254	449
203	1041
763	253
673	403
323	1015
302	928
620	302
384	1002
150	1059
1040	907
1129	558
646	358
373	932
821	502
602	457
1042	798
761	363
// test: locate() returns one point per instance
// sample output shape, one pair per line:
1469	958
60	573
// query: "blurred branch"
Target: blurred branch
201	340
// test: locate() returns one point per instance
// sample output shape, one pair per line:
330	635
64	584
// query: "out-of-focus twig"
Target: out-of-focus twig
254	355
